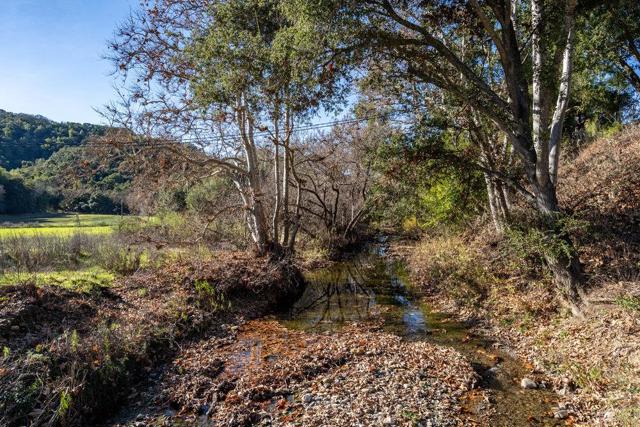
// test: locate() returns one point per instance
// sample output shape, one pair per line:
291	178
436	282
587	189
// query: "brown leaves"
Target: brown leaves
353	375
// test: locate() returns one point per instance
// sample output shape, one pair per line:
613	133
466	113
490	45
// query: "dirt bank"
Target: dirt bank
594	362
70	356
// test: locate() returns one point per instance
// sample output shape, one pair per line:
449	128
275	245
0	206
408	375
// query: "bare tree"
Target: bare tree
334	173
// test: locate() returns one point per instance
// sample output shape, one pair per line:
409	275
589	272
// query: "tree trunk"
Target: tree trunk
501	201
491	196
568	271
276	180
569	278
253	195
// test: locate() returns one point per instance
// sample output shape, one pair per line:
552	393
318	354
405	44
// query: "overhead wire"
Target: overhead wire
203	140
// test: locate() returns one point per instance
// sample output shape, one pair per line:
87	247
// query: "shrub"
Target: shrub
113	257
446	263
531	238
38	252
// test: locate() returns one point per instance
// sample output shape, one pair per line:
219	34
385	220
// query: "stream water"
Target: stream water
357	289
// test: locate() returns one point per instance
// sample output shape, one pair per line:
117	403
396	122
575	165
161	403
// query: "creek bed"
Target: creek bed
370	285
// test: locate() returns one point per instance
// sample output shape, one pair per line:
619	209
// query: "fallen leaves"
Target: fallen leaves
357	376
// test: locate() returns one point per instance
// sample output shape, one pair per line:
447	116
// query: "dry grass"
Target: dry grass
602	187
445	263
475	274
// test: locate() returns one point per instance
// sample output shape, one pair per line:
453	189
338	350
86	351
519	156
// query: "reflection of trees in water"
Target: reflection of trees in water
337	294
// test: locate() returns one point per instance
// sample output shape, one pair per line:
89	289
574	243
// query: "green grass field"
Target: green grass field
78	280
57	224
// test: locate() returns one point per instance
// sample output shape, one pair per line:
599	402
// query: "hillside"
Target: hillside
602	187
26	138
591	362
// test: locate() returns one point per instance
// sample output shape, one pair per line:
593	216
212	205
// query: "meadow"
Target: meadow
77	251
58	224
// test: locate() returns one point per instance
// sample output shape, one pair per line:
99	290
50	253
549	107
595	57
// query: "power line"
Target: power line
222	138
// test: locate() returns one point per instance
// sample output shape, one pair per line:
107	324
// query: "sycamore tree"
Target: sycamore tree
219	77
509	62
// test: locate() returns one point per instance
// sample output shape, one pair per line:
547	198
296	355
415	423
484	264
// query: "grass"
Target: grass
85	281
81	281
59	220
631	303
446	262
58	224
52	231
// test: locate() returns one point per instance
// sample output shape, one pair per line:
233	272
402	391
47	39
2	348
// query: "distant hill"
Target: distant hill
26	137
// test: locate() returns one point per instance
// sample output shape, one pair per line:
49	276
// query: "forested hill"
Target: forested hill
26	137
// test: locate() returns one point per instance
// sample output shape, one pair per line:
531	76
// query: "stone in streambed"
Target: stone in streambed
561	414
528	383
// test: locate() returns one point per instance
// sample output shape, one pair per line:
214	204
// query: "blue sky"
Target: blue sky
50	56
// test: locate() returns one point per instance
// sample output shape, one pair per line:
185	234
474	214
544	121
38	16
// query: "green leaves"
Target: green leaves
252	50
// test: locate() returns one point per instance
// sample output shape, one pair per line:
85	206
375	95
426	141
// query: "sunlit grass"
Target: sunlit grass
59	220
52	231
63	225
77	280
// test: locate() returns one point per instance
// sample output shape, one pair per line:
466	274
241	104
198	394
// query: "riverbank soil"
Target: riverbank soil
328	360
70	355
354	349
593	363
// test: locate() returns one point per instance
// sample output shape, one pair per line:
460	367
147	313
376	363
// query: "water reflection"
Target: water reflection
357	289
352	291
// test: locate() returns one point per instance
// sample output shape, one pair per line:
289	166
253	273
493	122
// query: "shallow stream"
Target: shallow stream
371	285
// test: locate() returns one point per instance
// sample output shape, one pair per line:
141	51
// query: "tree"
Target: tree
219	76
27	138
612	40
509	61
334	175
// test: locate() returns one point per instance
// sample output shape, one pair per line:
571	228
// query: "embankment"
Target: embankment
70	356
594	363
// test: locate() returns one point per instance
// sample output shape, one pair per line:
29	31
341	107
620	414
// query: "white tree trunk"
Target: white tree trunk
253	195
493	209
563	94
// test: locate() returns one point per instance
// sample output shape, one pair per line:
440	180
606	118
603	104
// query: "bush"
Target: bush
36	253
91	203
533	239
30	254
183	229
113	257
446	263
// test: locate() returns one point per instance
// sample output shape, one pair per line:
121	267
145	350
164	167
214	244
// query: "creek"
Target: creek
370	285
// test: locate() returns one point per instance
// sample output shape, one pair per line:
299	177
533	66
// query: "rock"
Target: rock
610	416
15	328
528	383
139	417
561	414
307	398
388	421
